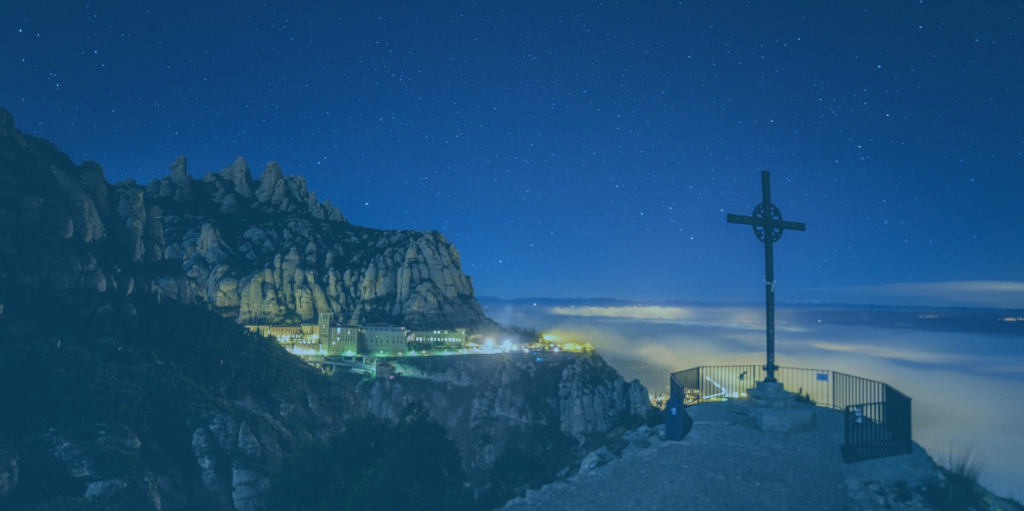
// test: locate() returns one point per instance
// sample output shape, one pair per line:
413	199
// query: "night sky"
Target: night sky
574	150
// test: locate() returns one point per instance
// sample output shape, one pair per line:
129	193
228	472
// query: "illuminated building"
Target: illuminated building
302	335
323	329
382	338
336	340
448	338
344	341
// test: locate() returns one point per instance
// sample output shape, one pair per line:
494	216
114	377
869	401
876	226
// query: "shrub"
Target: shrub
374	465
962	468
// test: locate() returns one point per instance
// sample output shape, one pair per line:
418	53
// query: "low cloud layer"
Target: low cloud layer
976	293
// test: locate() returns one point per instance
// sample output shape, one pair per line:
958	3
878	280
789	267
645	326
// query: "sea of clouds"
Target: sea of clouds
964	368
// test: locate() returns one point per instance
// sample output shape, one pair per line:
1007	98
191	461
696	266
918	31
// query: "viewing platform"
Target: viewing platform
877	417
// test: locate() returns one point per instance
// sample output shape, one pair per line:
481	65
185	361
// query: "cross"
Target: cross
768	226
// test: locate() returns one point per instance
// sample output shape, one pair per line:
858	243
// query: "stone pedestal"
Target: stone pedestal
770	408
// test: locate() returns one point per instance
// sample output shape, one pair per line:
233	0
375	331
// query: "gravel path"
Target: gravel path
723	466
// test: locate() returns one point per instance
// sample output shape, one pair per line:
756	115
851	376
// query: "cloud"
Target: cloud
987	293
920	353
737	317
639	312
908	355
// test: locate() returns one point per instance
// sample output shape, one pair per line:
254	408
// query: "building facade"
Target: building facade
382	339
342	341
297	336
448	338
325	338
336	340
323	327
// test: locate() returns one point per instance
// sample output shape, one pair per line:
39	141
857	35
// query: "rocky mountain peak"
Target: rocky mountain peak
181	181
7	126
238	174
274	255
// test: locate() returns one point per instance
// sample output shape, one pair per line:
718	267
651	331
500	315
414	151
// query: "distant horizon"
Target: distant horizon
779	301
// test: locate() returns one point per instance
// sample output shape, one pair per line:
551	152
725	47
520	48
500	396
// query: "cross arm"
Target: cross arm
785	224
761	222
741	219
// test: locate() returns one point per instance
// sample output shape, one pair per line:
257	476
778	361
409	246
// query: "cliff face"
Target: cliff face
490	403
53	216
235	458
268	251
263	251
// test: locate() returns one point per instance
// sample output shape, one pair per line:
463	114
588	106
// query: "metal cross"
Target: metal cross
768	226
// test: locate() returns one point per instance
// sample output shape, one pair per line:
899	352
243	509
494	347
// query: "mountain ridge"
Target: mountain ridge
258	251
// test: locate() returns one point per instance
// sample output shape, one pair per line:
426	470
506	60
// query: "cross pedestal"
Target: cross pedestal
771	395
770	408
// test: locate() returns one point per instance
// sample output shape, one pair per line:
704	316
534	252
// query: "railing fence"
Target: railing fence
877	416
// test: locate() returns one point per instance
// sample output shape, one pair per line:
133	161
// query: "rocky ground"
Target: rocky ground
490	402
724	466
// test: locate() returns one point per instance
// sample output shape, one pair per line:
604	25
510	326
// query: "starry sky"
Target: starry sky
579	149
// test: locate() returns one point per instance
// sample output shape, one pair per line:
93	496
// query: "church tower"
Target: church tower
323	330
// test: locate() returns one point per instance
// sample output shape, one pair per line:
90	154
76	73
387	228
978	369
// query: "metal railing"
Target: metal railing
877	417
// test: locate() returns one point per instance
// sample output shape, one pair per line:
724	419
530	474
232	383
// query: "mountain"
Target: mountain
129	384
264	251
268	251
116	396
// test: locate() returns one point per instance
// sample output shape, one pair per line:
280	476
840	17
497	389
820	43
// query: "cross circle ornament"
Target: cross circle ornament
759	230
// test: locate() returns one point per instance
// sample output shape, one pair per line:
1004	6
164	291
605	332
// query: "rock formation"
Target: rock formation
264	251
278	255
487	402
234	451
